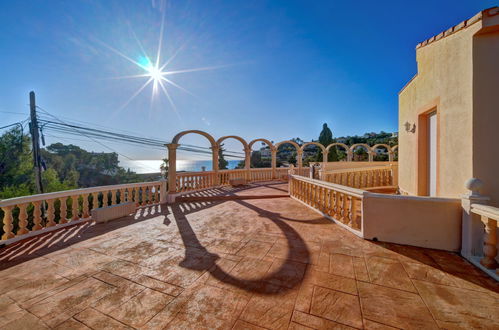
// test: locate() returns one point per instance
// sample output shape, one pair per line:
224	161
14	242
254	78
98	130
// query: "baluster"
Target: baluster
50	213
349	214
113	197
156	194
343	208
23	220
63	214
149	199
85	213
37	215
336	205
105	198
75	206
354	214
7	222
489	243
136	195
122	196
95	200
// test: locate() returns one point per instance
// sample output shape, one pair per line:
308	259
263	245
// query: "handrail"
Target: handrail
345	189
357	169
73	192
28	215
340	203
488	211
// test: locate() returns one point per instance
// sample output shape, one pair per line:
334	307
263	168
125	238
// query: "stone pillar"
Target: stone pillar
172	167
247	162
349	155
370	154
324	156
214	154
299	158
472	226
391	156
274	162
163	192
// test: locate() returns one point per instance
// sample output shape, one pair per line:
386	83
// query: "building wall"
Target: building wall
486	108
443	83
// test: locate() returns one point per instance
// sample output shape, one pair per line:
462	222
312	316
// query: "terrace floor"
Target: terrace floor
248	262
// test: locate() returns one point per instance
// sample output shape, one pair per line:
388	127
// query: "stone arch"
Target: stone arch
250	145
290	142
395	149
324	151
238	138
299	152
386	146
344	146
273	149
367	147
210	138
247	149
172	157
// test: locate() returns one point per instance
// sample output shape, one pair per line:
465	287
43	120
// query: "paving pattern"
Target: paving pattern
250	263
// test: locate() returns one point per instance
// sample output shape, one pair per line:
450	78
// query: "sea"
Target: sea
152	165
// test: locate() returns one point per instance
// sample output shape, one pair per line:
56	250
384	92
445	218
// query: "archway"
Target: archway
342	145
395	153
172	157
324	151
299	153
246	148
381	146
366	147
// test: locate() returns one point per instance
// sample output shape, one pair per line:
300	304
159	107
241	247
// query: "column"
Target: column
273	150
472	227
247	163
349	155
172	167
214	153
299	158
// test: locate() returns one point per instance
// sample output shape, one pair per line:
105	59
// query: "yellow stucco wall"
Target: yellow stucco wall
486	108
459	75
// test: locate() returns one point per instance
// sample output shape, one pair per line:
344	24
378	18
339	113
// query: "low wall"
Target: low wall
412	220
331	166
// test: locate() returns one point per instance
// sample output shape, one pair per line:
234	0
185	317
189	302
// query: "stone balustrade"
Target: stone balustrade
190	181
339	203
34	214
479	229
362	178
489	216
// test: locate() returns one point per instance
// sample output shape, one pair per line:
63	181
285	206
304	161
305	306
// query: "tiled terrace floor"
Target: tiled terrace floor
243	264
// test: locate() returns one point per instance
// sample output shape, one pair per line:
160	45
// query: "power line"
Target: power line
64	127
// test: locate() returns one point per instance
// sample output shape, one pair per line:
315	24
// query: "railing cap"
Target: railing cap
474	185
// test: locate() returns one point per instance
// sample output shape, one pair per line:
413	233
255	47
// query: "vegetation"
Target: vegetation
65	167
222	163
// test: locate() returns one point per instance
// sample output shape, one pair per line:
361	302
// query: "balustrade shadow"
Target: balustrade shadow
45	243
229	192
296	246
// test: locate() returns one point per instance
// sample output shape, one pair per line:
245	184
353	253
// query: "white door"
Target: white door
432	154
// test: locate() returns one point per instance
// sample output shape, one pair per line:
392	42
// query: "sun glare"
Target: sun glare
155	73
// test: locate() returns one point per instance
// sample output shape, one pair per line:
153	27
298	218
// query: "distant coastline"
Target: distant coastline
152	166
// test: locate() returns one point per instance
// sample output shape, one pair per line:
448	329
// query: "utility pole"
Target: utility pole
35	139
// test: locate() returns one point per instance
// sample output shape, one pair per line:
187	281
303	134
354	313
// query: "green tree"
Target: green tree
222	163
16	165
164	168
326	138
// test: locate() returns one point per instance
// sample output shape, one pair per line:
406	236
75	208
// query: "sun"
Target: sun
154	72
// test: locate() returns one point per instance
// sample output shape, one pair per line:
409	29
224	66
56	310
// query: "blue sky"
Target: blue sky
279	69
